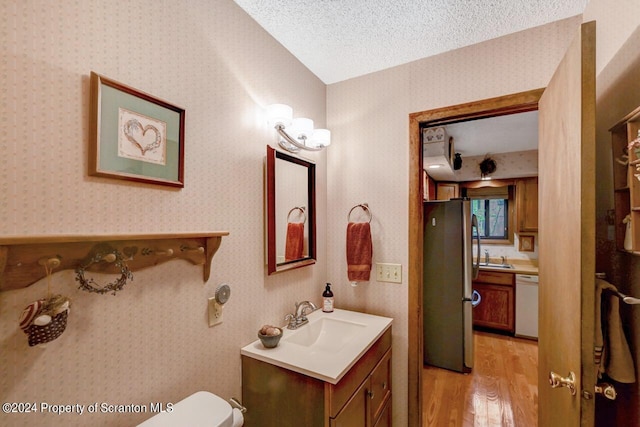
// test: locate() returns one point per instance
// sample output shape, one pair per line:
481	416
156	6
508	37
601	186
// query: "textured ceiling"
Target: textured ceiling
341	39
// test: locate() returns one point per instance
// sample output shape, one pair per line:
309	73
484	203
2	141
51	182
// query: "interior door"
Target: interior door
567	236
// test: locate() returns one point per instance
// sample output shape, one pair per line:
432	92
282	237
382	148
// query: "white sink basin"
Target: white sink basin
325	348
325	334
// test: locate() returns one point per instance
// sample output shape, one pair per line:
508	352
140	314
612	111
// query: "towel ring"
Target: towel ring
365	207
301	209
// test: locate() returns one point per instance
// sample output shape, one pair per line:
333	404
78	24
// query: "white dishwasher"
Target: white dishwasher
527	305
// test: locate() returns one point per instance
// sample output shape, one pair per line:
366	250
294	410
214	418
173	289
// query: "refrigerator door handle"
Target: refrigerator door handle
476	266
476	299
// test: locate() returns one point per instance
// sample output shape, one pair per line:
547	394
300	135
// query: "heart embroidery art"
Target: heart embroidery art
137	135
141	138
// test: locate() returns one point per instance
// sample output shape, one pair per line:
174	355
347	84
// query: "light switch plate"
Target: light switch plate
215	312
386	272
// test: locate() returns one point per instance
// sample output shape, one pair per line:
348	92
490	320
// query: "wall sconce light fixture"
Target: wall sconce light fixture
299	133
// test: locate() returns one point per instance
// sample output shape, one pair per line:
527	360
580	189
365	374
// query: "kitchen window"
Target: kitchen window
492	217
494	207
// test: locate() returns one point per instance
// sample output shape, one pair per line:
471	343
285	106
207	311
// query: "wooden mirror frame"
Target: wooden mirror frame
270	199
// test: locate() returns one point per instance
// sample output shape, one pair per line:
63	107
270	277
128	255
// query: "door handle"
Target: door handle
476	299
476	267
556	381
607	390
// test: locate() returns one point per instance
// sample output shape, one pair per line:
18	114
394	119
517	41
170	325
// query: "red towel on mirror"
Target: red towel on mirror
359	251
294	244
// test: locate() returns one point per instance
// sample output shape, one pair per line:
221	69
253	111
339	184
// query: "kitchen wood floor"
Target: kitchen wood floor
502	389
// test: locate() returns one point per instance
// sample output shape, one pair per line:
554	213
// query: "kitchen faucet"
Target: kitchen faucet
486	256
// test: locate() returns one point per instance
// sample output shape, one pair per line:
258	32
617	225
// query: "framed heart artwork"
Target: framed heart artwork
134	136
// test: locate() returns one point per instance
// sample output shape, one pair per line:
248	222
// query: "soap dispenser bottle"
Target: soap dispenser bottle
327	299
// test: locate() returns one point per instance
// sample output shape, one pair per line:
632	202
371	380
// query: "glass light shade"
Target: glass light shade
320	138
279	114
303	127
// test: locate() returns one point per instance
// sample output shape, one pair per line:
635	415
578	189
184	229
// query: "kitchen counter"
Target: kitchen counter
519	267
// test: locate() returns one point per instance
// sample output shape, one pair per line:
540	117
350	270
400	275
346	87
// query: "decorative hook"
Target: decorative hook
199	249
51	263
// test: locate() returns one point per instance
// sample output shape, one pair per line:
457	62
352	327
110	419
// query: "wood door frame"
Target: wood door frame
492	107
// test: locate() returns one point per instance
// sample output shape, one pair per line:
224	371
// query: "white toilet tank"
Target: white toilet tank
201	409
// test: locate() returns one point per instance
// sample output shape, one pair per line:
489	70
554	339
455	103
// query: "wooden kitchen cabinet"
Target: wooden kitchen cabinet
277	396
497	308
527	204
447	190
626	186
429	186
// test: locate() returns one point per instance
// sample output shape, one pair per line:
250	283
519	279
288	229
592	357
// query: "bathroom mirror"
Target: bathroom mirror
290	212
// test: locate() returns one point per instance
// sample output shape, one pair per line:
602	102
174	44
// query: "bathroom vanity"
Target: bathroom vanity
335	373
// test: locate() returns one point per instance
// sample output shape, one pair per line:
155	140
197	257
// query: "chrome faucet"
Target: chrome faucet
299	316
486	256
504	260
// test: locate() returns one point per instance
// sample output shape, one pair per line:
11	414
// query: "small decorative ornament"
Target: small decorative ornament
90	285
51	321
45	320
30	313
635	146
487	166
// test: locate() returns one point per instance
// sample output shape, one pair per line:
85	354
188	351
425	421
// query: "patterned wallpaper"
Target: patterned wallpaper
508	165
369	157
151	342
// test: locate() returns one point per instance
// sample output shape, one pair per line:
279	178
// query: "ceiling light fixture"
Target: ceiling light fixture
299	133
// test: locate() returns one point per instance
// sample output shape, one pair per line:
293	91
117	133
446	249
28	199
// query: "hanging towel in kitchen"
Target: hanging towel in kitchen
294	243
612	354
359	251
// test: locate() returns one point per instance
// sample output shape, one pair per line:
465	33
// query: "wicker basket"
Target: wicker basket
49	332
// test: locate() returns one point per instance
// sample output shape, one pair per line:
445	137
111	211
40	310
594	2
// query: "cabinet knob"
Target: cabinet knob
384	385
370	394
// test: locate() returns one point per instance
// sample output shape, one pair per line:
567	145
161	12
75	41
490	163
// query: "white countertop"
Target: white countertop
325	364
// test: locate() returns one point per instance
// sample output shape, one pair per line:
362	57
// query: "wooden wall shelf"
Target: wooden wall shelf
23	259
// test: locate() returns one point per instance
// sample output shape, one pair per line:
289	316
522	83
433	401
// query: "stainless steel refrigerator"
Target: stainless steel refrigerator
448	296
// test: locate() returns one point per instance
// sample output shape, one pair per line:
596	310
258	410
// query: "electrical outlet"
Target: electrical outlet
386	272
215	312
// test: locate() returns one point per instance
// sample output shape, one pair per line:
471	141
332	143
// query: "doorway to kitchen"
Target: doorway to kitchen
510	104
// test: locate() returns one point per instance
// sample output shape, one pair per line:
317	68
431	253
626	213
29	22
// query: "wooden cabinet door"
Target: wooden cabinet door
354	413
385	417
447	190
497	308
380	386
527	204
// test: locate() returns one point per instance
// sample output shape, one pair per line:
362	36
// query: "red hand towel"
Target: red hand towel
359	251
295	241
